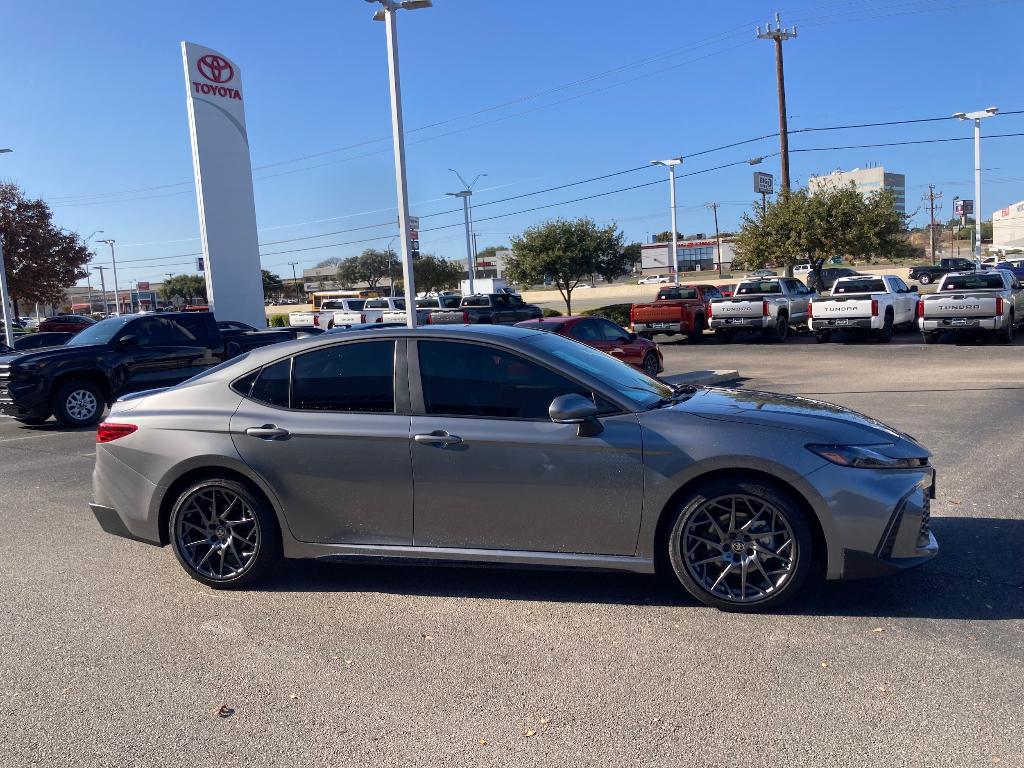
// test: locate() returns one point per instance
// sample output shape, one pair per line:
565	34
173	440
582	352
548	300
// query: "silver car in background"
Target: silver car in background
507	446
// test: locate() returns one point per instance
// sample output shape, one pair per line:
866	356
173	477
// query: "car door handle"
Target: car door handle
267	432
438	437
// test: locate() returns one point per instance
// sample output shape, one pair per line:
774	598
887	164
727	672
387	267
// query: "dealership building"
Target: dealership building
1008	227
693	256
865	181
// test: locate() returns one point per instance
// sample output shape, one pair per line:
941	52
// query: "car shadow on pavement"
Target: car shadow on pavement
978	575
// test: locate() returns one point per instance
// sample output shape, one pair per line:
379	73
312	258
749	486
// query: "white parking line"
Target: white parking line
32	437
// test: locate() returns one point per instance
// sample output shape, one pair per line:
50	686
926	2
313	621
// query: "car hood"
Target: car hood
46	354
824	422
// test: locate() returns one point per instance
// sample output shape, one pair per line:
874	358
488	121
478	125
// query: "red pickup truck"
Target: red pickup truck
677	309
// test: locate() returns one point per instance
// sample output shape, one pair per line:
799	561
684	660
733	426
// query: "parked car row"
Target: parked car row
978	300
501	308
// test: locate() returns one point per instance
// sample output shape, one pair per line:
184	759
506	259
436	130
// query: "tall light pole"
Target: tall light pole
467	212
671	164
295	280
88	275
103	288
977	117
113	264
386	13
4	296
718	237
780	35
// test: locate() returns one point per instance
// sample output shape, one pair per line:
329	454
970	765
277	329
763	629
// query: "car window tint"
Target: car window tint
186	329
610	331
149	332
352	378
586	330
476	301
271	387
476	380
980	280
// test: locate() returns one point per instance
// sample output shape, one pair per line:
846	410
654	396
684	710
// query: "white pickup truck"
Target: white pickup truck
972	301
770	305
424	308
873	304
372	311
326	316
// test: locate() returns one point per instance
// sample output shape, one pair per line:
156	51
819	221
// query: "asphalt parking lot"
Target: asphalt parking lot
112	656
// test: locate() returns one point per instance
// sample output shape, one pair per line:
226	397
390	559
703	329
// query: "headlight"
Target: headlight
865	457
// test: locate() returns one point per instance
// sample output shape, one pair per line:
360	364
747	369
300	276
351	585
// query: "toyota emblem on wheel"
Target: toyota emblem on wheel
215	68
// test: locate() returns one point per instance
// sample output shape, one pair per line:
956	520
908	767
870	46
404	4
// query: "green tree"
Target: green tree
370	267
272	285
801	227
433	273
666	236
43	261
566	251
632	253
331	261
188	287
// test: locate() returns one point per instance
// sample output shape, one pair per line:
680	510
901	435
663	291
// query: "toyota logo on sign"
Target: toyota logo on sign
216	69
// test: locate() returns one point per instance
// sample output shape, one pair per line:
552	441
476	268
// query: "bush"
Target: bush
551	312
278	321
617	313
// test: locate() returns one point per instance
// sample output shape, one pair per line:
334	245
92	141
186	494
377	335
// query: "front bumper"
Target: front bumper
24	398
962	323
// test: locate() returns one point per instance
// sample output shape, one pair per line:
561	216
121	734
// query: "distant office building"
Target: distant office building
693	255
492	263
1008	227
865	181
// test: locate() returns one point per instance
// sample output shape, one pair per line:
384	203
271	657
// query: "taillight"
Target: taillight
764	308
107	432
810	309
316	321
874	307
465	317
709	309
920	307
430	319
362	317
999	305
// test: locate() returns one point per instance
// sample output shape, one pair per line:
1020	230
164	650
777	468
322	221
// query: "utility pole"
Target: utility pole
930	198
780	35
295	280
7	310
103	287
113	264
671	164
718	237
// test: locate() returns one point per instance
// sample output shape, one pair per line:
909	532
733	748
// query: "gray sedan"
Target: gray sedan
511	447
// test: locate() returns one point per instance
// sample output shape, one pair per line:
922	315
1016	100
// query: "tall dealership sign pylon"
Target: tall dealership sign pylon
223	170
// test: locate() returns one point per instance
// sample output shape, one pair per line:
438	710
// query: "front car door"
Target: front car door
328	430
905	301
799	296
618	342
492	471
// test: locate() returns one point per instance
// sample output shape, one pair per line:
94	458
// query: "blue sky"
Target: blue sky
536	94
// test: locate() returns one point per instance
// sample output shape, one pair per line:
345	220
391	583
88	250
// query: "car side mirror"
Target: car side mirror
632	337
913	289
576	409
128	340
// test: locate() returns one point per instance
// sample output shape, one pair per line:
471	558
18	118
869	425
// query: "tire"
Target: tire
78	404
824	337
925	279
931	337
650	364
713	556
696	335
1005	334
780	332
223	534
885	335
330	326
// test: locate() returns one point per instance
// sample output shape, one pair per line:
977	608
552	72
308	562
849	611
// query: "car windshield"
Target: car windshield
635	386
869	285
973	282
100	333
758	286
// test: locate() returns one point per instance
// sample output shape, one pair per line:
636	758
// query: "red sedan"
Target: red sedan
605	335
66	323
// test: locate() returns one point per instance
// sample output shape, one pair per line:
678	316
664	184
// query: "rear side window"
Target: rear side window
271	386
476	301
352	378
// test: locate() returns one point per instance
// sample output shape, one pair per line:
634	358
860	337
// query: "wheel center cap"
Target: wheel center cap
738	547
222	532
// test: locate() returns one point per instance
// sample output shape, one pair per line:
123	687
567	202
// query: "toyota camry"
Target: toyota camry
507	446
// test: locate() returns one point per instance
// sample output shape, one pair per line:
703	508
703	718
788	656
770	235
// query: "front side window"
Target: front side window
476	380
586	330
611	332
350	378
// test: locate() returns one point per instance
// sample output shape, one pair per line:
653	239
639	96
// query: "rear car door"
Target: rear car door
492	471
503	313
328	430
799	298
147	360
904	301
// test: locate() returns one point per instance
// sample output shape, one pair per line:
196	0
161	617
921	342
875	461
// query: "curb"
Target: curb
702	378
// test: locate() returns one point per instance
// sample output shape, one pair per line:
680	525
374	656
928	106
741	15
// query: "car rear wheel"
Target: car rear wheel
222	534
1005	334
651	365
924	279
78	404
739	545
885	335
696	335
781	330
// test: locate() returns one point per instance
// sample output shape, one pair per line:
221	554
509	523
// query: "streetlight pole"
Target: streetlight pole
113	264
467	212
103	288
671	164
88	280
977	117
4	296
386	13
780	35
718	237
295	280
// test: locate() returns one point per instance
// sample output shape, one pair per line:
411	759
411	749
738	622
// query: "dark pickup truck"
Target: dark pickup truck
116	356
930	273
492	308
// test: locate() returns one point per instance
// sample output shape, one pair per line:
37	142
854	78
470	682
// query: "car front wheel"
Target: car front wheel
739	545
223	534
78	404
651	365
